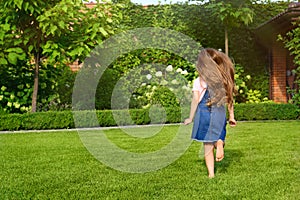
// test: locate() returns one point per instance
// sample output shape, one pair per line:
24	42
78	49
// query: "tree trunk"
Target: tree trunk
36	83
226	41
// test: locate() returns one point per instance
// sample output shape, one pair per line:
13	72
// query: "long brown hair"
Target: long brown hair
217	70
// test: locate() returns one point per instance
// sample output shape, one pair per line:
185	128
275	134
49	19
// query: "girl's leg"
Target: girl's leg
220	150
209	159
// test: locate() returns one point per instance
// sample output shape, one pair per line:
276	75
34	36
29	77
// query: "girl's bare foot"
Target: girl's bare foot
211	176
220	151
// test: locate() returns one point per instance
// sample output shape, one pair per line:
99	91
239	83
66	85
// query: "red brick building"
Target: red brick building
280	60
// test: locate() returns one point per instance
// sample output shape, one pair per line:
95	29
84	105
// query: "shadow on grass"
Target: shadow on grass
231	156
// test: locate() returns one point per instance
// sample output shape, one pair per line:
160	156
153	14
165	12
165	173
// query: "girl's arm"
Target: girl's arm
232	121
194	104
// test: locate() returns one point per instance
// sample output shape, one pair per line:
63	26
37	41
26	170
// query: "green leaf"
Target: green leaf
17	42
3	88
52	30
2	34
19	3
43	85
55	54
12	58
222	9
61	24
64	8
3	61
31	9
20	86
104	33
22	56
26	4
30	48
6	27
109	20
16	50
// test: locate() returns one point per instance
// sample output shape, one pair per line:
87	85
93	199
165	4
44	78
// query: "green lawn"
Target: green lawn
261	162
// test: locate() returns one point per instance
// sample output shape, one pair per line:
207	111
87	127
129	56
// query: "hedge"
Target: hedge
108	118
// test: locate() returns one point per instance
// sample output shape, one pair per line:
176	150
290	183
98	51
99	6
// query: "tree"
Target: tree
51	34
232	14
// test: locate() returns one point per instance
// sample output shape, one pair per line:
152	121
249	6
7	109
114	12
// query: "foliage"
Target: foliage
36	32
244	46
147	59
266	111
71	38
265	10
292	43
170	89
105	89
146	86
55	89
107	118
231	15
244	94
62	81
15	89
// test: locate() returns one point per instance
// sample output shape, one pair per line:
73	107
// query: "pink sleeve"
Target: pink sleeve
196	85
200	87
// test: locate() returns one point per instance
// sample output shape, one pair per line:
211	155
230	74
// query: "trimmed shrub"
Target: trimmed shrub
266	111
107	118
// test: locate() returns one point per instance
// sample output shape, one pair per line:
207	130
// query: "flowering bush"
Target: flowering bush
244	94
15	101
16	89
148	86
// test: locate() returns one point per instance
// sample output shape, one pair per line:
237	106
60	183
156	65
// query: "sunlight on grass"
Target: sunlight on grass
261	162
162	137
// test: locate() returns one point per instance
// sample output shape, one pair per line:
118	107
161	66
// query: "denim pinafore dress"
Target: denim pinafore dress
209	121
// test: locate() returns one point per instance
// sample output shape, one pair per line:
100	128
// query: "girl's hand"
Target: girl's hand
232	122
188	121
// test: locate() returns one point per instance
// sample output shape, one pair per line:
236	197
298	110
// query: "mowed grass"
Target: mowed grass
261	162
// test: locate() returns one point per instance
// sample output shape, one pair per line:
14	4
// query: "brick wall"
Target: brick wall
278	79
75	66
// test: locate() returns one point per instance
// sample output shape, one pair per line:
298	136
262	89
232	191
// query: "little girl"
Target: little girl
211	91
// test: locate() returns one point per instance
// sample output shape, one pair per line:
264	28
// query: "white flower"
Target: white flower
149	76
3	88
185	87
148	94
248	77
1	97
146	106
144	84
164	82
169	68
174	81
9	104
184	72
179	70
17	105
158	74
